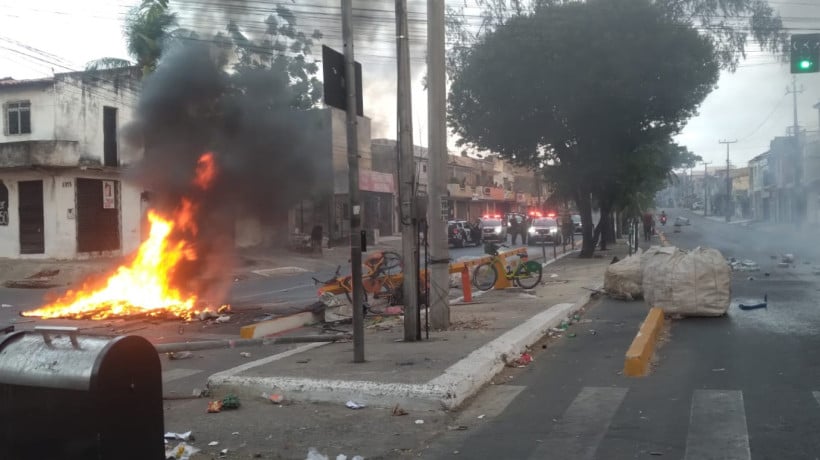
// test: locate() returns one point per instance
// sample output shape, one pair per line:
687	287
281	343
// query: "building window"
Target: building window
424	168
19	117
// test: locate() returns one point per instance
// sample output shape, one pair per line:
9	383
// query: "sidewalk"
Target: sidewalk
434	374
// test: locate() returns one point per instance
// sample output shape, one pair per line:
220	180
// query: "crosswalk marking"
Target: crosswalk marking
176	374
577	434
717	426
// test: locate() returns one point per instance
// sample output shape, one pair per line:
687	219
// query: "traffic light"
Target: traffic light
805	53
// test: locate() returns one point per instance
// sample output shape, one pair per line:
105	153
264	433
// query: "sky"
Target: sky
751	105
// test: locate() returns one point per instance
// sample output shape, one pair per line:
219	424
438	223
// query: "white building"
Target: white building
62	193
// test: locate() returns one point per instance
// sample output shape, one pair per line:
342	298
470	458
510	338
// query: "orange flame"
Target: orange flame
205	171
145	285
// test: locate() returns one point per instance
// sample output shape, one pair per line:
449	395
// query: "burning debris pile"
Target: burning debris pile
261	158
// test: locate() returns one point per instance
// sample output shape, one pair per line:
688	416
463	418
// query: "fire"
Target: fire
144	285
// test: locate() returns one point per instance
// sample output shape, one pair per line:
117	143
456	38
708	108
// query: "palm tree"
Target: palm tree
148	27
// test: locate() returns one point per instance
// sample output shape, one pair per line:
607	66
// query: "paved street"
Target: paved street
255	295
739	387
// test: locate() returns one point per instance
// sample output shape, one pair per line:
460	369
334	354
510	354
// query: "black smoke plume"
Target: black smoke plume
268	155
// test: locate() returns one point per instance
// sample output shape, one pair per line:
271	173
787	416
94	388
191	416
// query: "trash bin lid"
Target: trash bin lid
63	361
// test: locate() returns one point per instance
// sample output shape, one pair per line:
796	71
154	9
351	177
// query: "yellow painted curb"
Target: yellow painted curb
640	352
279	325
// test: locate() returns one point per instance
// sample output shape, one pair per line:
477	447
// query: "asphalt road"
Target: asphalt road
744	386
252	298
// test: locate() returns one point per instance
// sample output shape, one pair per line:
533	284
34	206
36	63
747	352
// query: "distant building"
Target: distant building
62	192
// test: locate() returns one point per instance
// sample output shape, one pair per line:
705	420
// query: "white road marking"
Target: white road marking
176	374
277	291
269	359
582	427
717	426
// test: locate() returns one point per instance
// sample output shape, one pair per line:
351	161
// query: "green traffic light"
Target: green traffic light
806	64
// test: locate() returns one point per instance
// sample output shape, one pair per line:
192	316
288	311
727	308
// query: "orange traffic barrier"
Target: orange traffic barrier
465	285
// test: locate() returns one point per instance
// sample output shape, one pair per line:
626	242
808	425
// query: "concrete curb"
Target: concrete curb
447	391
636	362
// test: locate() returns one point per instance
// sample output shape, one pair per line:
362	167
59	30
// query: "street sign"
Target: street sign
333	73
805	53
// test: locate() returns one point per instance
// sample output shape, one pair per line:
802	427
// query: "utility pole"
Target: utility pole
728	180
796	164
439	308
407	178
794	92
353	179
705	191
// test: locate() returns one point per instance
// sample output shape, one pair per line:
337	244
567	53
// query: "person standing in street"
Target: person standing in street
316	239
648	224
515	228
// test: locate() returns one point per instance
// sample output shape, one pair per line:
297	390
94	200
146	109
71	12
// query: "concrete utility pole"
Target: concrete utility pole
353	179
794	92
705	191
407	178
439	308
728	209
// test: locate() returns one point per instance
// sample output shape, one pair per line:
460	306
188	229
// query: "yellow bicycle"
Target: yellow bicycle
526	275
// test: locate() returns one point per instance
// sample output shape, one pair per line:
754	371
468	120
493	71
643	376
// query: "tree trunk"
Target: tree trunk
602	231
610	229
585	208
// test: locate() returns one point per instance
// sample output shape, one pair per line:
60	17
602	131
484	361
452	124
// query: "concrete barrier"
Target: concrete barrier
640	352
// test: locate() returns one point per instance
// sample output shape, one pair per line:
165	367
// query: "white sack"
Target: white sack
694	283
622	280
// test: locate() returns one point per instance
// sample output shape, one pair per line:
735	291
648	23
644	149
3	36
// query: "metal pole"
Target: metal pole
407	178
705	192
728	181
436	110
353	178
241	343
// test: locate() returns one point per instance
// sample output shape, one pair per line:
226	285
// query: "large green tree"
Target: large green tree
581	87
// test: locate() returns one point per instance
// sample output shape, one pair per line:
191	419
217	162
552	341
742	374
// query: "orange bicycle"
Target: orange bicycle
381	277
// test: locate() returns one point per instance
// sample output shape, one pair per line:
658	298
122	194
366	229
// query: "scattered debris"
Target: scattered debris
419	422
754	304
235	433
354	405
303	361
398	411
719	369
223	319
223	452
481	416
656	454
751	278
522	361
275	398
180	355
745	265
187	436
214	407
207	314
230	401
457	427
5	305
554	275
182	451
572	335
213	443
783	265
245	354
787	258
